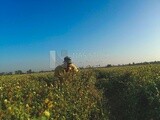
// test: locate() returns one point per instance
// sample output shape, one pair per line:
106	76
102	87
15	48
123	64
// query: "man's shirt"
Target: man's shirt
61	70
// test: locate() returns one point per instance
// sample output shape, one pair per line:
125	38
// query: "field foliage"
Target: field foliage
116	93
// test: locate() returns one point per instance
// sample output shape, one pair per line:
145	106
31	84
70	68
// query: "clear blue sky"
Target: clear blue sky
97	31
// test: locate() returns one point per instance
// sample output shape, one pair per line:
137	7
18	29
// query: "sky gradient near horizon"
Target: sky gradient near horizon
92	31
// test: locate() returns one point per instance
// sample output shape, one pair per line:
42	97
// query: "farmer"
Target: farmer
66	67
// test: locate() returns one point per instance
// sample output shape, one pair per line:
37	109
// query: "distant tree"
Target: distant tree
88	66
29	71
2	73
9	73
41	71
109	65
144	63
81	67
18	72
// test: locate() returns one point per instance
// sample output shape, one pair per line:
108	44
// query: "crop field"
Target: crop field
115	93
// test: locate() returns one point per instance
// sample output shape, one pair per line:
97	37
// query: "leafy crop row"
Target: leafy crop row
40	96
131	93
116	93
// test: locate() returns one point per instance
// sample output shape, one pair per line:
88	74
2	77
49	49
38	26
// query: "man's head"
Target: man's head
67	61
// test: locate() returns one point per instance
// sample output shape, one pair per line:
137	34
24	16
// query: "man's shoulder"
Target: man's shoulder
59	67
73	67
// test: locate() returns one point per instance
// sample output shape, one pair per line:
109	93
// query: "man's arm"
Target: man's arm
74	68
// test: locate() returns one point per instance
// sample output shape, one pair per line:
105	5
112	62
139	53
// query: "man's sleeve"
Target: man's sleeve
74	68
58	71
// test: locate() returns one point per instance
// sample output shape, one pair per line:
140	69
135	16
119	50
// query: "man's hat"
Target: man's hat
67	59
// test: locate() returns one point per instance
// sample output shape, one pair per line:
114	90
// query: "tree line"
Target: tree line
19	72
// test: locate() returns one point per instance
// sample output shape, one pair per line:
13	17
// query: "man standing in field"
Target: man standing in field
66	67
